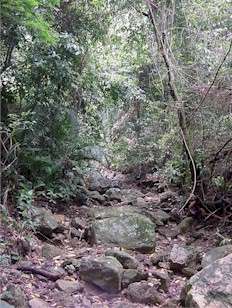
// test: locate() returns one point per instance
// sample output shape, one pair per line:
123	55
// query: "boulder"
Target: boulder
159	217
215	254
114	194
133	275
144	292
4	304
180	257
104	272
15	296
124	227
38	303
124	258
68	286
51	251
163	276
96	181
211	287
95	195
44	221
131	195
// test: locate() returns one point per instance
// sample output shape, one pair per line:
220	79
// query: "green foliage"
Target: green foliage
30	13
24	203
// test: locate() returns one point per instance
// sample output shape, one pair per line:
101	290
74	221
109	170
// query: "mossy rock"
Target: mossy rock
124	227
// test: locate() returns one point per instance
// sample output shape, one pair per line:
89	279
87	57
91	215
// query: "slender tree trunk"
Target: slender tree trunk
160	39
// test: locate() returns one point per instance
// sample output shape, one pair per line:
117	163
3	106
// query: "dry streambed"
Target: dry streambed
124	248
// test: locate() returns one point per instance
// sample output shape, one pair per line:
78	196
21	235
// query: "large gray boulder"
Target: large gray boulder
44	221
104	272
215	254
96	181
15	296
4	304
124	227
211	287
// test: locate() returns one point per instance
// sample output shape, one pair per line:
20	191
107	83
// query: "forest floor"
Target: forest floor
200	234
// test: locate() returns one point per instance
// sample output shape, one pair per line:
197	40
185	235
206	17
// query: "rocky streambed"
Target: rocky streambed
123	247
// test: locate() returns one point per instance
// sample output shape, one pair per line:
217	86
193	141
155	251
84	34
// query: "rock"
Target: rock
51	251
114	194
38	303
75	262
169	196
211	287
189	271
96	181
133	275
215	254
163	277
78	223
44	221
95	195
124	258
156	258
15	296
180	257
143	292
125	227
104	272
4	304
68	286
131	195
158	216
140	203
185	225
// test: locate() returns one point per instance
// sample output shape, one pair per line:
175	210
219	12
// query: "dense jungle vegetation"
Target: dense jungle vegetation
127	83
116	154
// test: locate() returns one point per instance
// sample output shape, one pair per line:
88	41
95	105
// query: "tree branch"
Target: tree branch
214	79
